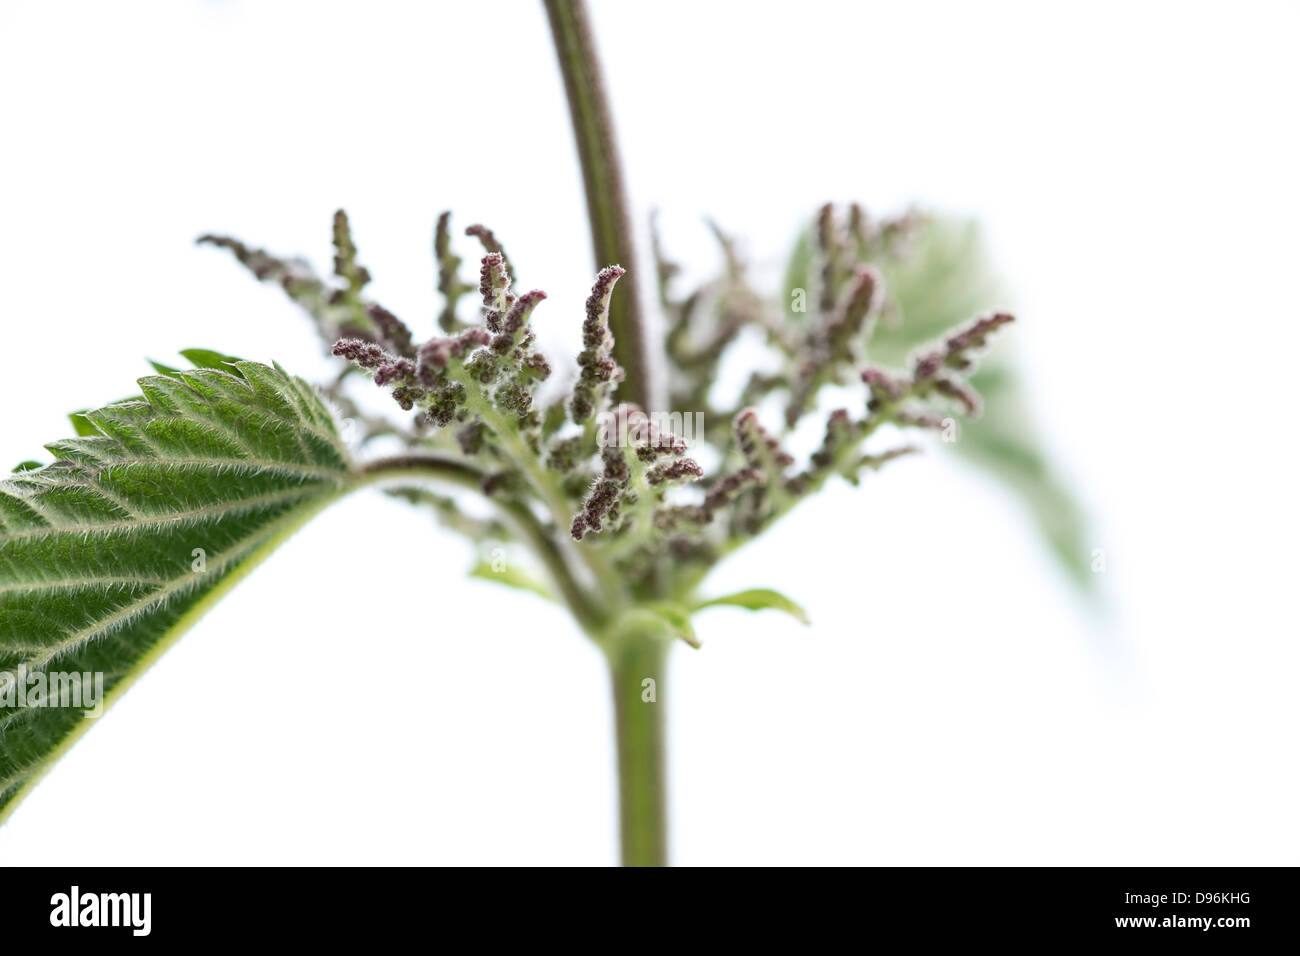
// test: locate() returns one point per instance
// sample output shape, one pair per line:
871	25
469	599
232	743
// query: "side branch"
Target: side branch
465	475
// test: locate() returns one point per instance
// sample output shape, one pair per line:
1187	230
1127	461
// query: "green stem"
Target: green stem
638	656
602	180
638	649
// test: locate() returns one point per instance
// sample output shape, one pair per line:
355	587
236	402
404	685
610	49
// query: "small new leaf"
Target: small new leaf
677	618
510	576
759	599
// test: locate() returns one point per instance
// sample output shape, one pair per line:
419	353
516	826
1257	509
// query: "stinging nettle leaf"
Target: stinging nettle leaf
83	428
945	280
111	552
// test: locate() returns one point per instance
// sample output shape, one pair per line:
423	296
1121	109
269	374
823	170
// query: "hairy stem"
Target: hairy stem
636	651
602	180
637	658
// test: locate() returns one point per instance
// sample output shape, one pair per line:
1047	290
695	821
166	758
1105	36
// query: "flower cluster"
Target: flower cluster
604	474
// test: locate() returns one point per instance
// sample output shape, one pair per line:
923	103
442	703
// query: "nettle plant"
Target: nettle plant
624	507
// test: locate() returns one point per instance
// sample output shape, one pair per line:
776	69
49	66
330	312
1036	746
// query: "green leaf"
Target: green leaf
28	466
511	577
82	426
759	599
111	552
164	369
207	358
1002	442
677	618
941	283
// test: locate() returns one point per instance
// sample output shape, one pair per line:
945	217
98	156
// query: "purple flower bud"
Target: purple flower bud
679	469
596	366
974	335
600	503
849	320
470	438
536	363
514	398
958	350
465	342
521	310
839	434
515	318
486	237
401	370
494	287
883	385
760	449
729	487
365	354
921	420
615	465
927	365
433	355
565	453
959	391
829	248
406	396
392	330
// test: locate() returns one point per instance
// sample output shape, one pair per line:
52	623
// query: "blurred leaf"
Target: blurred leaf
759	599
940	283
164	369
207	358
81	424
511	577
1003	443
939	280
677	618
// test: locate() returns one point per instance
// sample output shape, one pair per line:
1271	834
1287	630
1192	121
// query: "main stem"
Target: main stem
636	654
602	180
637	666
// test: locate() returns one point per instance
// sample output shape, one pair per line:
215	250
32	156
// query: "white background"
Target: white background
954	703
